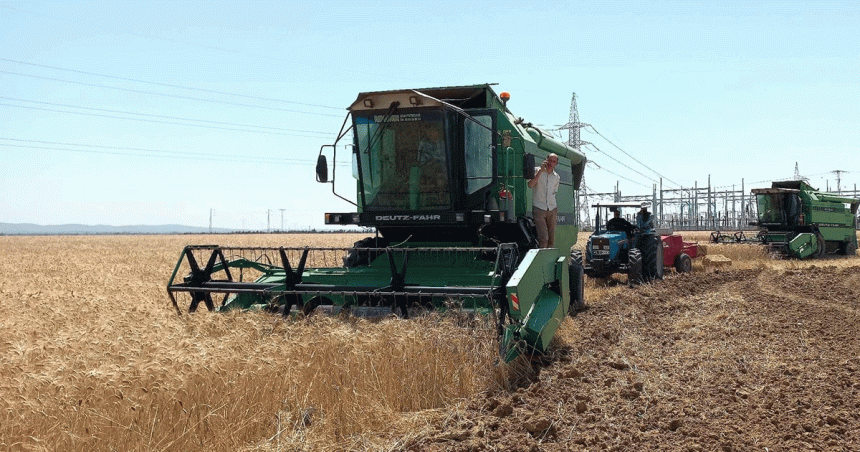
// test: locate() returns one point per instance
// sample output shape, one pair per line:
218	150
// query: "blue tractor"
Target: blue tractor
619	246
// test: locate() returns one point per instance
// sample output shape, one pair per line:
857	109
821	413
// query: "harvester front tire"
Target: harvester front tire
312	304
634	267
577	283
683	263
821	246
359	255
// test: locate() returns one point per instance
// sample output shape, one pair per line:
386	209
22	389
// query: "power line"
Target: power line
161	116
156	122
175	96
144	152
197	44
620	162
634	158
616	174
126	31
131	154
247	96
773	180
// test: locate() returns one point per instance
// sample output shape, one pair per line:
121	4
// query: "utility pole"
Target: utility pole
743	206
696	203
709	223
838	180
282	219
661	218
210	219
268	220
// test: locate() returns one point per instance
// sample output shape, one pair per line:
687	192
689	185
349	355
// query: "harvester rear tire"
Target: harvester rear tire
848	248
683	263
634	267
577	283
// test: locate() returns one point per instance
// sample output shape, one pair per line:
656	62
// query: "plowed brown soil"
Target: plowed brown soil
756	359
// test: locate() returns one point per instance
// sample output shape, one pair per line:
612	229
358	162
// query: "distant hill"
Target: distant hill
84	229
101	229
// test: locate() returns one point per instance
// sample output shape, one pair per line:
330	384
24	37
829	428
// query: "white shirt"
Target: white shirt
545	190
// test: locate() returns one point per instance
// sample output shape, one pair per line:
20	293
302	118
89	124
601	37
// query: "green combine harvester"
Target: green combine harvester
800	221
441	176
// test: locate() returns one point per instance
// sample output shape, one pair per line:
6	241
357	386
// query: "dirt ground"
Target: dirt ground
736	360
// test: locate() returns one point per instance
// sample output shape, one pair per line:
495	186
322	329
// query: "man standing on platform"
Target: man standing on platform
544	208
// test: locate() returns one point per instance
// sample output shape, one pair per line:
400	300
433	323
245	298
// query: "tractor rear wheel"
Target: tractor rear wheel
634	267
652	258
577	283
683	263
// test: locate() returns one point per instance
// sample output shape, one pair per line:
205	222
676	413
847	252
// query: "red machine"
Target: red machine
678	253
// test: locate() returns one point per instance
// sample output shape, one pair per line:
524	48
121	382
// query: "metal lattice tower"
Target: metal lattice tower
839	180
797	175
573	127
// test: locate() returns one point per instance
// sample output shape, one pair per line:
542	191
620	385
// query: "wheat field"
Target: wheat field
94	357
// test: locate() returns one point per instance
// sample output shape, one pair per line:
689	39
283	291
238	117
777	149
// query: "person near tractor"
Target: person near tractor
544	207
616	223
643	219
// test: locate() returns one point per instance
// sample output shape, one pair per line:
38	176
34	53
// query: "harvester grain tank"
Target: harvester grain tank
800	221
441	176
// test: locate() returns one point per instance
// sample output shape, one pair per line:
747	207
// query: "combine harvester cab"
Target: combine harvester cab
441	176
799	221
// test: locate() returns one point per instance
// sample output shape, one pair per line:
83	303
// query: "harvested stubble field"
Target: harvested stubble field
764	356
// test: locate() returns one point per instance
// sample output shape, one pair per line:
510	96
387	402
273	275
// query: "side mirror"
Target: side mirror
528	166
322	169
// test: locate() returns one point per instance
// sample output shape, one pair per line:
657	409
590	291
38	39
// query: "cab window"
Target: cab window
478	142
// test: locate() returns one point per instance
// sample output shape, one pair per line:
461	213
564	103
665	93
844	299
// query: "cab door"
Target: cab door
479	156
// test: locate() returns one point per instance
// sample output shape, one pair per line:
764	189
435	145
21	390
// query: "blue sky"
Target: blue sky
126	113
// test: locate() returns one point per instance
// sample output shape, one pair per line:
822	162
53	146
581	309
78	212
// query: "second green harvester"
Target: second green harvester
800	221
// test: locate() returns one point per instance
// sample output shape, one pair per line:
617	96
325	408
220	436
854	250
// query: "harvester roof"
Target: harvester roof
470	96
758	191
623	205
791	184
797	186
